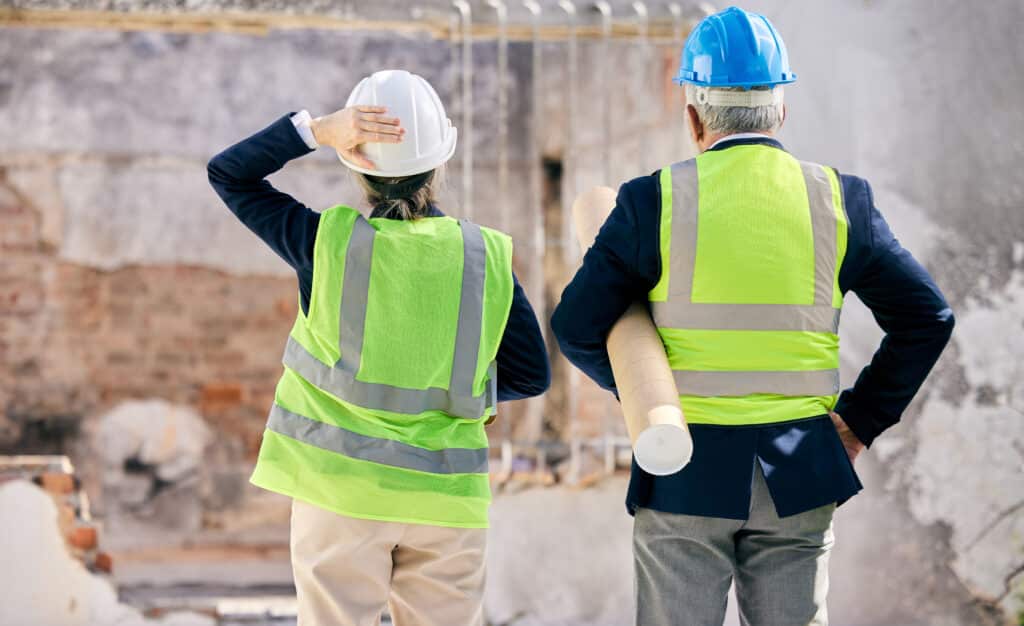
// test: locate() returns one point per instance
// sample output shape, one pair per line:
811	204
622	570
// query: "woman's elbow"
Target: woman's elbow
543	380
526	385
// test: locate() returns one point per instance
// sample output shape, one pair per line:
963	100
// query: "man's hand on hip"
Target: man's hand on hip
852	445
347	129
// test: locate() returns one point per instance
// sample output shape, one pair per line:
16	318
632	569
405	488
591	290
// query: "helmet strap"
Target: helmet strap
749	98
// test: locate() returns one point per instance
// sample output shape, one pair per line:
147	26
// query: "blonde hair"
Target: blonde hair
411	206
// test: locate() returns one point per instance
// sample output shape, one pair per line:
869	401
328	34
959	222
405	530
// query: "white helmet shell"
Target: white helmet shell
430	136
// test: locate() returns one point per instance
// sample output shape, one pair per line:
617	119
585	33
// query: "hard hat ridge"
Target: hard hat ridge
431	137
735	48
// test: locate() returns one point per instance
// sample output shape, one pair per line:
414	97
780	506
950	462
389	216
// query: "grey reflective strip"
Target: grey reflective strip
683	244
383	451
809	383
679	311
471	310
344	385
823	225
354	295
809	318
745	317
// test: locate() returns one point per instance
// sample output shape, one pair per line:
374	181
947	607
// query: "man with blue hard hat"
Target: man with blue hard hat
744	255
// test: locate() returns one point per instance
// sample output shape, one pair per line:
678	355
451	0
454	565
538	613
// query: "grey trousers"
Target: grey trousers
685	565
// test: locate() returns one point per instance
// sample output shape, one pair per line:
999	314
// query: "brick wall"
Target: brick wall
75	339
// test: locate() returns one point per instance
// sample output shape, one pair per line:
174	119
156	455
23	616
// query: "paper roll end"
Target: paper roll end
663	449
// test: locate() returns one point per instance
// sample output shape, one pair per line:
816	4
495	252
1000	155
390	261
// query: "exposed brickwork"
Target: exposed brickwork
74	340
104	562
57	484
83	537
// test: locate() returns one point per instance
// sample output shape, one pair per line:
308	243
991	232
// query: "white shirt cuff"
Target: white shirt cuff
302	121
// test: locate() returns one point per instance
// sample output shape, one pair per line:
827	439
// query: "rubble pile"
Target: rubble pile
44	585
56	476
152	455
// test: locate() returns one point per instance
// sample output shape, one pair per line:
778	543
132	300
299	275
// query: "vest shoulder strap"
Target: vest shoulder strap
671	299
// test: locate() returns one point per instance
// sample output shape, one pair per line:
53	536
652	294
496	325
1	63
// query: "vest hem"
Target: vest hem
254	480
785	422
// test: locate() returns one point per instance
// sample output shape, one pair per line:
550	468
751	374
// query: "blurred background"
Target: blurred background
141	326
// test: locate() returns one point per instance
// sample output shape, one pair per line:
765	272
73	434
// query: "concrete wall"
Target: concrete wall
123	276
920	98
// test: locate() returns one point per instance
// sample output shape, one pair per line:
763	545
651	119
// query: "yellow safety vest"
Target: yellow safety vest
389	377
748	300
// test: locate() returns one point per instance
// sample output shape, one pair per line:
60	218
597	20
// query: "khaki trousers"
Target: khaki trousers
347	570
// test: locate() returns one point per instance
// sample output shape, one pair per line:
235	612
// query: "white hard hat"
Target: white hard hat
430	137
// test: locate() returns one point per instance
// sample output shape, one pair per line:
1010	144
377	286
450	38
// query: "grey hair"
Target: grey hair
413	206
736	119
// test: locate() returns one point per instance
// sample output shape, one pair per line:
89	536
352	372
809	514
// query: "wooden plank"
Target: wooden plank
260	24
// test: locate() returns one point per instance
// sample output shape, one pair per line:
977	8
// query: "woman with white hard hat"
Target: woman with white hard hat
411	328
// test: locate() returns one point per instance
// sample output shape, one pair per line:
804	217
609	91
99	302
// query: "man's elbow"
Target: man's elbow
214	172
945	320
562	329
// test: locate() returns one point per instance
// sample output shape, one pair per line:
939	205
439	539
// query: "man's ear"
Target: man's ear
696	128
783	121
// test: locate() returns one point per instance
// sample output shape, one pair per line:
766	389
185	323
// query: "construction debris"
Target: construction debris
56	475
44	585
152	459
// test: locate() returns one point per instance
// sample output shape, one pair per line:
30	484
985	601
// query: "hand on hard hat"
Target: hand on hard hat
349	128
432	137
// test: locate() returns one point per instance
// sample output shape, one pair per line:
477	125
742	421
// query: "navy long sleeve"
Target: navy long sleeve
907	305
238	175
624	264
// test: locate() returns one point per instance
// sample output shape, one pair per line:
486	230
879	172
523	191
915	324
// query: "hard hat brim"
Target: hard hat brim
679	80
410	168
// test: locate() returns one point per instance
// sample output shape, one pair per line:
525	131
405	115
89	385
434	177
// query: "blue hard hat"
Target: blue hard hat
734	48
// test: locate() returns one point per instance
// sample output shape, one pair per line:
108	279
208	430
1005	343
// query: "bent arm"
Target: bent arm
616	271
238	175
918	322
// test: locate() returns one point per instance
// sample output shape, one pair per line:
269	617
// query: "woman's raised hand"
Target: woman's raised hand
347	129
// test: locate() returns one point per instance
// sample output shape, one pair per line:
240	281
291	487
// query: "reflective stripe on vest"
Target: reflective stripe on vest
676	309
374	449
340	379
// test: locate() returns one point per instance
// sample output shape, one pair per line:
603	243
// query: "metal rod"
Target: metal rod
572	68
505	221
605	9
262	23
607	137
676	12
501	12
466	16
569	245
677	35
643	104
538	297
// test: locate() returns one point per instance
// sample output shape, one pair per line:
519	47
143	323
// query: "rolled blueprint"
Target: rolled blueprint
647	390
